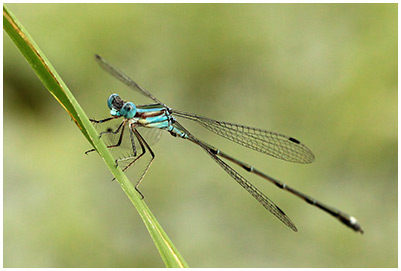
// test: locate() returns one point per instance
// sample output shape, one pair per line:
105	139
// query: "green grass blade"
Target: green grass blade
50	78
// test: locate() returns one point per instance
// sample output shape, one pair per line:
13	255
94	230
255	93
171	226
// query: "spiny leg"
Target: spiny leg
134	156
144	145
132	140
111	131
119	140
103	120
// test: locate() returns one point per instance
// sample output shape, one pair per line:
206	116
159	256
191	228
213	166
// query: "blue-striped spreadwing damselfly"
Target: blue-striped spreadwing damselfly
160	116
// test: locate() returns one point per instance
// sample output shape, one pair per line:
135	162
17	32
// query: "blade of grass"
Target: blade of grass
52	81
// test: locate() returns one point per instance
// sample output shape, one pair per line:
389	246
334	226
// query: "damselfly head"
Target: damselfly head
128	110
115	102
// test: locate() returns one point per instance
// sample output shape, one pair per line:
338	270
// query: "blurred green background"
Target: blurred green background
325	74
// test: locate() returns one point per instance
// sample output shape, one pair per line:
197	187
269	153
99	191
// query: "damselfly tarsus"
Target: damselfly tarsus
160	116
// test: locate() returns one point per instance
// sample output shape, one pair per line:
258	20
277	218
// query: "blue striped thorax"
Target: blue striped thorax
149	116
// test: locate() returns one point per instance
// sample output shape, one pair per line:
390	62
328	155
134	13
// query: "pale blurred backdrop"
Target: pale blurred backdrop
325	74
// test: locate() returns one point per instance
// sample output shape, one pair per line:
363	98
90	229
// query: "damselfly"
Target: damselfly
160	116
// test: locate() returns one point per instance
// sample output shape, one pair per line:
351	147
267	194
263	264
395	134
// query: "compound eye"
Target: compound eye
115	102
128	110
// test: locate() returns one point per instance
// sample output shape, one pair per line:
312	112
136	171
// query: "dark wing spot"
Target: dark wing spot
294	140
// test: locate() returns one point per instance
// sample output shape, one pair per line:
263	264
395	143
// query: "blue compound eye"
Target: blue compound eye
128	110
115	102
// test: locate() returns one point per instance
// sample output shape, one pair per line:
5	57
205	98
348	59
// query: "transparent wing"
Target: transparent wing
256	193
151	135
250	188
270	143
124	78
